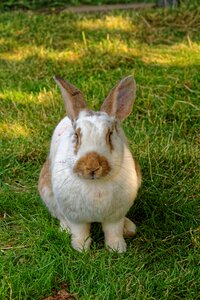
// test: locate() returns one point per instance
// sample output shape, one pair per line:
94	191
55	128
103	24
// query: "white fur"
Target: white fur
76	201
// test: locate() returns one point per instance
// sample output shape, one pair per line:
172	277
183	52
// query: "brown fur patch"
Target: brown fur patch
45	177
138	171
92	166
78	142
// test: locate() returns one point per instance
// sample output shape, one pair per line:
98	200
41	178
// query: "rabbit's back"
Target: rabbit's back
61	135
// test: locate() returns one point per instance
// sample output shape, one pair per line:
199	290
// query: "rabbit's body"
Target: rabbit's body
91	176
83	200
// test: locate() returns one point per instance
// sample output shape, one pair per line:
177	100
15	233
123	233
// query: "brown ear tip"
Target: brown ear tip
129	79
57	78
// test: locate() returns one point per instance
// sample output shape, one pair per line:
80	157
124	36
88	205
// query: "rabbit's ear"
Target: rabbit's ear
73	98
119	102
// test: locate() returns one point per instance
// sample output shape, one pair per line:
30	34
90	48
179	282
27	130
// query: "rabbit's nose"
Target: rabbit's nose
93	170
92	165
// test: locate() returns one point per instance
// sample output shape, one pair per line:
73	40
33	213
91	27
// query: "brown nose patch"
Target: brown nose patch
92	166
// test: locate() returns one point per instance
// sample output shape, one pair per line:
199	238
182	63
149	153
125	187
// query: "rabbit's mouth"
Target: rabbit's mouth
92	166
89	177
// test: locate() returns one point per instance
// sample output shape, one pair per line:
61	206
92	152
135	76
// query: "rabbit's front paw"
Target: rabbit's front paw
117	246
80	244
80	239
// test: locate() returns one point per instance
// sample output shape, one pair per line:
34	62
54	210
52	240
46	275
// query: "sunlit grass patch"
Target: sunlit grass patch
13	130
109	22
24	52
179	54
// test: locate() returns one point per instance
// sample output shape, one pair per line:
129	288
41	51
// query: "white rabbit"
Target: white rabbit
90	174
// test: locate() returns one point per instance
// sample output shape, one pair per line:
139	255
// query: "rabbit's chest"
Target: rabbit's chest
94	203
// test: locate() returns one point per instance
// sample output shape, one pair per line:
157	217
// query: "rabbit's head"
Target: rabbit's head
98	141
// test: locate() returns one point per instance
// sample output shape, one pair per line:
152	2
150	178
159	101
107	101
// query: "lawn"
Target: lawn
160	48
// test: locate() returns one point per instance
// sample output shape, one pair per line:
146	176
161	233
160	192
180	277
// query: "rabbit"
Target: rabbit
90	174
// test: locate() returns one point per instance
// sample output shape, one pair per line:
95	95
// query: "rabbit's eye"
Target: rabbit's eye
109	139
77	140
77	136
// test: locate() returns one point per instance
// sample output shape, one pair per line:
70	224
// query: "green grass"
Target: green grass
161	49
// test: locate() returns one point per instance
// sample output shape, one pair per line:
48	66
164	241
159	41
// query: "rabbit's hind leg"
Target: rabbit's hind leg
46	193
45	188
130	229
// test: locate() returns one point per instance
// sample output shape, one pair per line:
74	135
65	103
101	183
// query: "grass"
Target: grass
161	49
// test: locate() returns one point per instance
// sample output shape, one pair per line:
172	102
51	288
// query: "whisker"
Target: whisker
61	162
